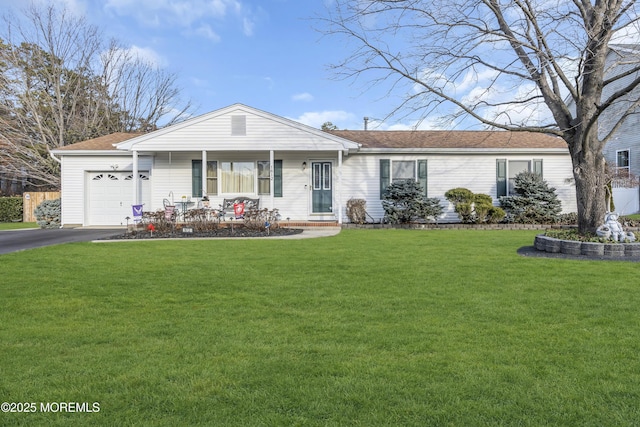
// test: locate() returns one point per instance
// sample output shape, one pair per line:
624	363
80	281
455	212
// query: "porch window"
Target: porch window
243	177
263	177
238	177
212	177
196	178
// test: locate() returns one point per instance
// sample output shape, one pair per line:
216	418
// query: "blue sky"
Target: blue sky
266	54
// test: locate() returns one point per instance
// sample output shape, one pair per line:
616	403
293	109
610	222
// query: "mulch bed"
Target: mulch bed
225	232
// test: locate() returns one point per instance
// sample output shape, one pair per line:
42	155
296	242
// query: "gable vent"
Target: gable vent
239	125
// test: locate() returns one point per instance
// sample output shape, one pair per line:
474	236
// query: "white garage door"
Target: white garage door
111	197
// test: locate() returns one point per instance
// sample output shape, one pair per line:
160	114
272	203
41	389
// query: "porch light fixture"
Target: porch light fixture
304	165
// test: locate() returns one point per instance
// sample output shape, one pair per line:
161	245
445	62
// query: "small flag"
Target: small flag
238	210
137	213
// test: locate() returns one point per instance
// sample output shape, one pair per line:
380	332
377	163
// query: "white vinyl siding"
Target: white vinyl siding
75	182
476	172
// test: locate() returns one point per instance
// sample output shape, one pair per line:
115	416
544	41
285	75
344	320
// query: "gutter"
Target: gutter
55	158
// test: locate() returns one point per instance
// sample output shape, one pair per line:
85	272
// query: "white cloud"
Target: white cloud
305	97
185	13
318	118
247	26
147	55
207	32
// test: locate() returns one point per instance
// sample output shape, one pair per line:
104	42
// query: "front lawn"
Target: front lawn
17	225
370	327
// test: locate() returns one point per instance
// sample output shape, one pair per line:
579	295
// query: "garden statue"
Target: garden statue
612	229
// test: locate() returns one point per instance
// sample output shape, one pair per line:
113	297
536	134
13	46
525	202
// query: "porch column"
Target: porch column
339	187
136	196
271	180
204	173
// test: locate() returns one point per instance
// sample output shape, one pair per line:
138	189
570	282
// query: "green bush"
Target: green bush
405	202
534	203
11	209
459	195
474	208
465	211
48	214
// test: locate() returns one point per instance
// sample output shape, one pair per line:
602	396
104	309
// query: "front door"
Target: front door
321	197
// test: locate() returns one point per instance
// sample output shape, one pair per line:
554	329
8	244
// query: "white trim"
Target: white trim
136	196
271	180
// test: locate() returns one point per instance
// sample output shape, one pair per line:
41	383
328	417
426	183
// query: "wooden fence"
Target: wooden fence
30	202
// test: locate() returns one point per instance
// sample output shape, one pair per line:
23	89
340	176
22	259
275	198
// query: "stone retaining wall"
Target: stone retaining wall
589	249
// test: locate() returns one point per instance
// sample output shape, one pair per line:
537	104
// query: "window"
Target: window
264	182
515	167
506	172
238	177
196	178
402	170
212	177
622	161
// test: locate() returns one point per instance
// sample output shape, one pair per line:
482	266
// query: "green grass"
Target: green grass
371	327
17	225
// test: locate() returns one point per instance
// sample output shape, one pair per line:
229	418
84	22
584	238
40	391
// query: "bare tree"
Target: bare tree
517	56
61	83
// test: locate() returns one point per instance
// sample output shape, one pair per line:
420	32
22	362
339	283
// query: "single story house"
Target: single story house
306	173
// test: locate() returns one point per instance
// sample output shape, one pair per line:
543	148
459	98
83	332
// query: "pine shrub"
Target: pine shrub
405	202
48	214
534	203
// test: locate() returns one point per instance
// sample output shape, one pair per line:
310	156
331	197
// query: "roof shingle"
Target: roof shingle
451	139
101	143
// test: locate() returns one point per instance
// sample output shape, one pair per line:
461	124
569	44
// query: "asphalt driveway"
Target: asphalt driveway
19	240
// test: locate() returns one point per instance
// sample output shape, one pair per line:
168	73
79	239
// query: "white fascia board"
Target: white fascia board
90	153
100	153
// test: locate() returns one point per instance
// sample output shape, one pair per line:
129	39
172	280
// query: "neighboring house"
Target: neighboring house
306	173
623	149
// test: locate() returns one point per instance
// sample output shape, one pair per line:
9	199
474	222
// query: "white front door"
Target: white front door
111	196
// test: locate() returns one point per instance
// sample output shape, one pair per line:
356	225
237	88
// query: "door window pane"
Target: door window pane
317	176
326	183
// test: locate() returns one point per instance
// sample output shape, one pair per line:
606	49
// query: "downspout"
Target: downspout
54	157
135	177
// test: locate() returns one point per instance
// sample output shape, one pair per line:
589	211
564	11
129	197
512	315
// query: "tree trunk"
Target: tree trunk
590	176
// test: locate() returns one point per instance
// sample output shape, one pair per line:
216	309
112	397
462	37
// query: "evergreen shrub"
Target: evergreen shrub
474	208
48	214
11	209
405	202
534	202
